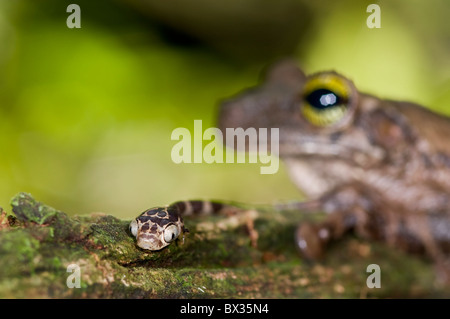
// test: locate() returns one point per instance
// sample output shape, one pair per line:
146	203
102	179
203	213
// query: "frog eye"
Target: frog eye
171	233
326	99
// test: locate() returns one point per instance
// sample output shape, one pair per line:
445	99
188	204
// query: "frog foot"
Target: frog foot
311	240
442	268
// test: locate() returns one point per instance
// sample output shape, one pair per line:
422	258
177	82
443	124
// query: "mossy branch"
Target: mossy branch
38	243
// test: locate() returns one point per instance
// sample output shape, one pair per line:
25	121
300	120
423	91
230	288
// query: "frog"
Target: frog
377	167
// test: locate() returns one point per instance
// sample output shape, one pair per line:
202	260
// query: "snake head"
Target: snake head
157	227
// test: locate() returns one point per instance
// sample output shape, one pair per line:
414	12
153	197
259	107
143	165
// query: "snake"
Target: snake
158	227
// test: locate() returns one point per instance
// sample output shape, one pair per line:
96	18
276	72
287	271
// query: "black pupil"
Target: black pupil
322	99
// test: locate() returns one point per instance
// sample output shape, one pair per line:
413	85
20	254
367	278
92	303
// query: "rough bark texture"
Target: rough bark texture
217	260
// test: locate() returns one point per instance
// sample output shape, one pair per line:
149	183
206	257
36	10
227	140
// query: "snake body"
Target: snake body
157	227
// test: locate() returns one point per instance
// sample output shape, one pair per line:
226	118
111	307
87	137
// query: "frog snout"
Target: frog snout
234	123
230	116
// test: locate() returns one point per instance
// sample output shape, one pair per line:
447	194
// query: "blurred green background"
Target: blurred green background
86	114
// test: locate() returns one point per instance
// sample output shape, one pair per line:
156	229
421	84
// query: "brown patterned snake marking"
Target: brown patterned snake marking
157	227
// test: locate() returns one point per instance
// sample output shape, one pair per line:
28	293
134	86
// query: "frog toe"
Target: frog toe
309	241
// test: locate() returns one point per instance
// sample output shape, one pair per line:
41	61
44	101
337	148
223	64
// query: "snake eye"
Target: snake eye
326	99
134	227
171	233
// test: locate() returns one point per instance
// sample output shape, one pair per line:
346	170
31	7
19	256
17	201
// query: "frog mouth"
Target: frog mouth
325	149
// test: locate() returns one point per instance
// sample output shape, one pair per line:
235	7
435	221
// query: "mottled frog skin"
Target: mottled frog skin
375	166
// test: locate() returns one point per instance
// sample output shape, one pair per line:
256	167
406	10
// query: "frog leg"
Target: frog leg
432	229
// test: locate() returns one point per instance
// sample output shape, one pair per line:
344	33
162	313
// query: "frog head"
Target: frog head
328	130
